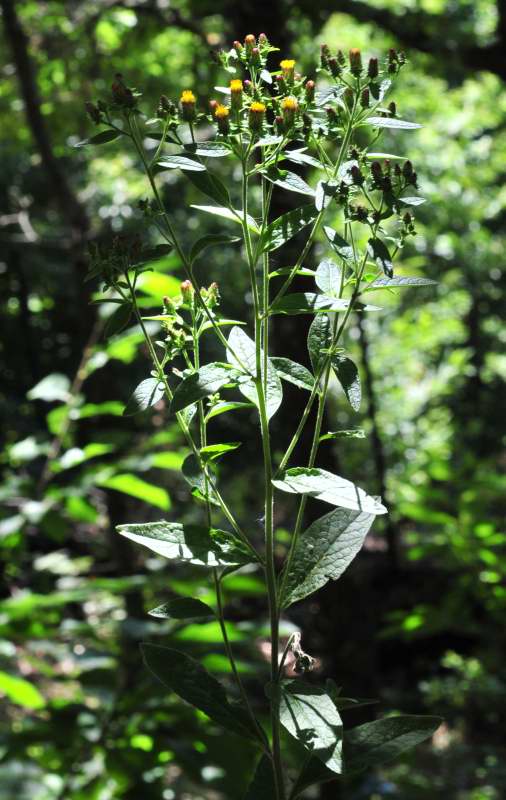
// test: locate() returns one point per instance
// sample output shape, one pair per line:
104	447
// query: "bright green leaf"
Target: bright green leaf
329	488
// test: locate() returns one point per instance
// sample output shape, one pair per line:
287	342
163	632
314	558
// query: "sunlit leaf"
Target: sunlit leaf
330	488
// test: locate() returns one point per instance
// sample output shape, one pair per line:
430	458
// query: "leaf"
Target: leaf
183	608
52	388
301	157
383	740
262	786
154	253
347	374
136	487
288	225
244	348
147	394
228	213
308	714
388	283
214	451
328	94
413	201
307	303
325	191
339	245
100	138
193	474
328	487
380	254
313	772
208	149
288	180
192	683
205	381
293	372
268	141
328	277
211	240
324	551
212	186
387	156
319	340
118	320
21	692
181	162
353	433
205	547
224	407
392	122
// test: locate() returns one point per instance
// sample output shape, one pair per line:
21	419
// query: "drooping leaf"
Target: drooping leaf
227	213
118	320
205	381
192	683
379	252
330	488
195	544
225	406
181	162
100	138
244	348
328	277
288	225
398	281
353	433
307	303
324	551
325	191
319	340
21	692
293	372
383	740
308	714
211	240
208	149
147	394
347	374
301	157
288	180
392	122
136	487
262	786
339	245
183	608
212	452
212	186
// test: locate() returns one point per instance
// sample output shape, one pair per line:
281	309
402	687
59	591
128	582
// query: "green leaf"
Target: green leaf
313	773
194	544
309	273
147	394
214	451
21	692
52	388
183	608
135	487
288	225
224	407
307	303
413	201
339	245
330	488
318	341
392	122
324	551
193	474
118	320
347	374
325	191
154	253
208	149
262	786
328	277
192	683
383	740
211	240
205	381
396	282
100	138
301	157
353	433
309	715
387	156
228	213
379	252
181	162
288	180
293	372
244	348
212	186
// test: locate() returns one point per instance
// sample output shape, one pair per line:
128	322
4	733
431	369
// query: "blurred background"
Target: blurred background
418	620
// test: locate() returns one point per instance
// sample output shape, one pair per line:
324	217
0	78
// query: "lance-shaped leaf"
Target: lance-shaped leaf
191	682
262	784
288	180
193	474
183	608
383	740
285	227
339	245
328	277
181	162
205	381
347	374
228	213
244	348
208	149
225	406
191	543
104	137
118	320
211	185
399	282
211	240
392	122
293	372
212	452
308	714
319	340
324	551
147	394
330	488
352	433
413	201
308	303
379	252
301	157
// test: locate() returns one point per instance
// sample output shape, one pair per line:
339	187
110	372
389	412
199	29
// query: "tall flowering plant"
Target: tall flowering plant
265	122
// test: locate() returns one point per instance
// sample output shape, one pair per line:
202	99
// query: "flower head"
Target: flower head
236	88
256	115
221	115
290	107
188	101
288	67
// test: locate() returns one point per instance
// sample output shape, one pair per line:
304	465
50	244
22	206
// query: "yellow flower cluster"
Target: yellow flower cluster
235	85
188	98
290	104
257	108
221	112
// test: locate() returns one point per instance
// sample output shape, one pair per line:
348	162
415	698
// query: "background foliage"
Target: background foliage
417	620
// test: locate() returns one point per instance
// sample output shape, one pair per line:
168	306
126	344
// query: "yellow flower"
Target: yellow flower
221	112
188	98
235	85
288	67
257	108
256	115
290	104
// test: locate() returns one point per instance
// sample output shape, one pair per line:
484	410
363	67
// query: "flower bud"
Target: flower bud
279	123
290	107
93	112
324	55
407	219
341	58
387	184
335	69
310	91
262	39
281	84
187	292
247	86
356	176
221	116
372	68
355	61
122	95
188	102
213	105
307	124
237	46
255	56
392	61
213	295
256	116
288	67
349	97
236	93
407	169
392	107
376	171
365	98
331	115
249	42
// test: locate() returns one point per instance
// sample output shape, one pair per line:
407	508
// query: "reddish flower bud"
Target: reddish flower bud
355	61
262	39
365	98
341	58
335	69
376	171
356	175
237	46
187	292
392	107
349	97
324	55
213	105
310	90
372	68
